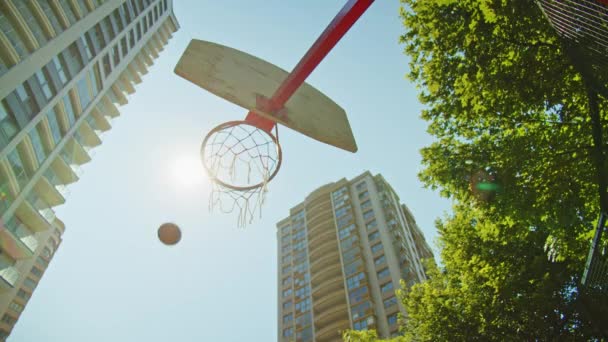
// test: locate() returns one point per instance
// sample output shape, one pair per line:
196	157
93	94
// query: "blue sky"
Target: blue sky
111	280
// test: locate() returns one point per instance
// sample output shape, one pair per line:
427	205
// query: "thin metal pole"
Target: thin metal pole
336	29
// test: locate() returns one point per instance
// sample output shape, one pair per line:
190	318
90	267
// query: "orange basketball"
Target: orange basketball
169	233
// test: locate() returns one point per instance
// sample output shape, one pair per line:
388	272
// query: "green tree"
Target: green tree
515	149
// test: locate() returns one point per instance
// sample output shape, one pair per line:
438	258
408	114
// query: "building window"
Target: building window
287	293
380	260
131	39
358	311
46	252
43	80
124	47
363	194
16	306
376	248
23	295
387	287
115	55
8	319
288	332
366	204
373	236
8	124
287	305
357	294
60	67
107	66
36	272
353	267
368	215
371	224
138	30
54	125
87	49
383	273
361	186
354	282
83	92
29	283
361	325
41	262
75	56
392	319
390	302
24	93
17	166
37	145
69	110
287	318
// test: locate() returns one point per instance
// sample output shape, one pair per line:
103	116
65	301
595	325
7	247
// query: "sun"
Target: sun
187	171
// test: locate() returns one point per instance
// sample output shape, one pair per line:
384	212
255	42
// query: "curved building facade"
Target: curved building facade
342	254
65	67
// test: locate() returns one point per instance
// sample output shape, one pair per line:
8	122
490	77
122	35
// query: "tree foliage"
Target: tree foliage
508	108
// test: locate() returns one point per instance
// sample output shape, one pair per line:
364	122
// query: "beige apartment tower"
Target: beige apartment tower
342	253
65	67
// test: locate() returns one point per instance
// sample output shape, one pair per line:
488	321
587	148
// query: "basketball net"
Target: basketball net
240	160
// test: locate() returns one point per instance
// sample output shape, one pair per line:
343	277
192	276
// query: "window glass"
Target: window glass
59	66
383	273
17	167
387	287
37	145
377	247
54	125
390	302
44	84
69	110
83	92
8	124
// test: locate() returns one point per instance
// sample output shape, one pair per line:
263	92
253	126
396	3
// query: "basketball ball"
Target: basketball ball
169	233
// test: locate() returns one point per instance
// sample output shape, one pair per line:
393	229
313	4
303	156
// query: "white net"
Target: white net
240	159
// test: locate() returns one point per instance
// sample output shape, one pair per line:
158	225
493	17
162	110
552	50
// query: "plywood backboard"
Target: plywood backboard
240	78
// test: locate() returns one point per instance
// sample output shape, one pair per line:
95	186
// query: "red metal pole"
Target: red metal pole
338	27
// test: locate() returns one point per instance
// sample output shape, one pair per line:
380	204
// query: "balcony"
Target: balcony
320	216
319	277
71	161
329	234
36	213
75	151
8	277
17	240
330	260
55	181
323	248
87	136
328	302
101	122
49	193
331	287
63	170
329	316
332	332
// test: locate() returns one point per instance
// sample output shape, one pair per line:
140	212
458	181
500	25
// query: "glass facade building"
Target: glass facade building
342	254
65	67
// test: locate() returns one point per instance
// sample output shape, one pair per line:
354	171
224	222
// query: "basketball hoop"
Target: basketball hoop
240	159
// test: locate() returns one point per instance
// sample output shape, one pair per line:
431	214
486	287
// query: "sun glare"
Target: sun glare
187	171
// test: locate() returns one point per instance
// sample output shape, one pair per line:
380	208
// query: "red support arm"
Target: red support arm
338	27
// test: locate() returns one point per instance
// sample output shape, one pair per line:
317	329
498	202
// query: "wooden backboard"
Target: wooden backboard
240	78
